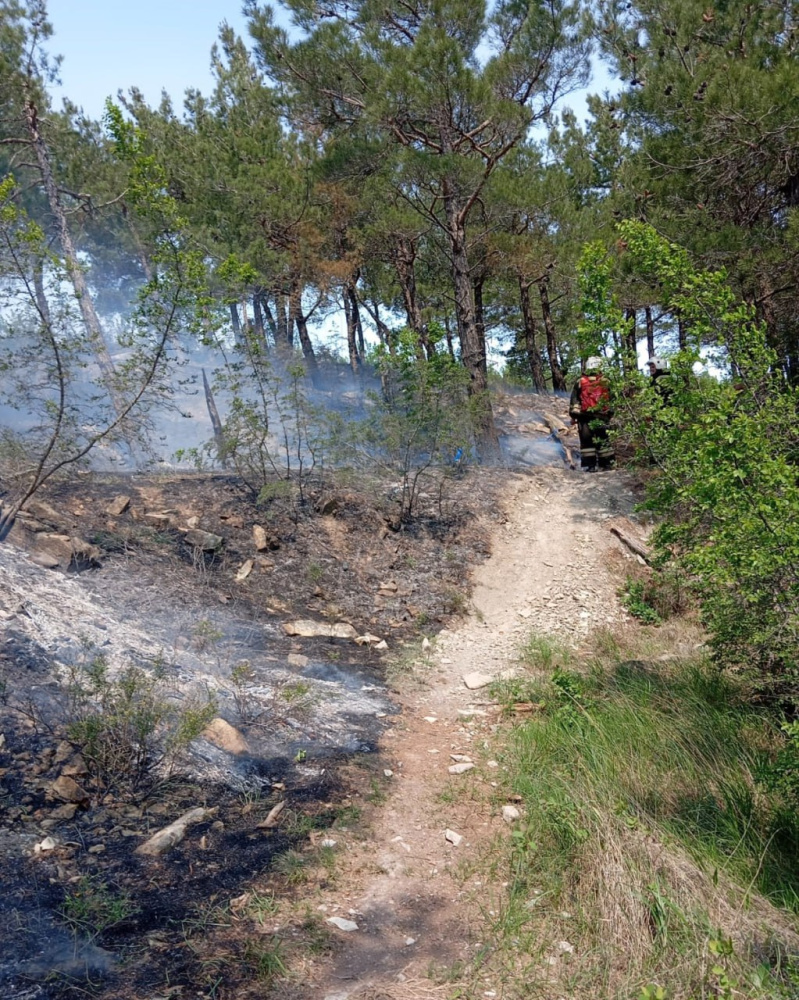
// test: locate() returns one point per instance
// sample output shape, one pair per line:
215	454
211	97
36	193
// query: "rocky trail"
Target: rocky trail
408	887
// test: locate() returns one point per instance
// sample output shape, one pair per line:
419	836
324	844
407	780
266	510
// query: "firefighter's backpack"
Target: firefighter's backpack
594	394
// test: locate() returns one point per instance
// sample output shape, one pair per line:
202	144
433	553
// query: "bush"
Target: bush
720	453
128	732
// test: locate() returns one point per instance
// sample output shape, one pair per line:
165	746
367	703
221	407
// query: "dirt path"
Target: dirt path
417	904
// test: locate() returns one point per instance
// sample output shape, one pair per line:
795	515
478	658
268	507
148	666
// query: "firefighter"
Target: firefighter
589	408
661	380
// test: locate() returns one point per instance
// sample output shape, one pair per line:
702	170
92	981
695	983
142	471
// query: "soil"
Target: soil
361	756
419	900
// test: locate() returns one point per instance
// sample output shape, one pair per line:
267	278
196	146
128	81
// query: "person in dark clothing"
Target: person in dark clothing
589	408
661	380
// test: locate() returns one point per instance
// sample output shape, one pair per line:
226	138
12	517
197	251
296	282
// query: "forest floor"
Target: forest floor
414	885
403	861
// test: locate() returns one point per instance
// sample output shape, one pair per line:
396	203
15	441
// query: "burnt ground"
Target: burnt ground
90	917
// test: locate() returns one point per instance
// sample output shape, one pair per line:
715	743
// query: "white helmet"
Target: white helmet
594	364
660	363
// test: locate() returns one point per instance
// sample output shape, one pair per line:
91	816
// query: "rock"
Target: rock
388	772
476	680
226	737
118	506
461	758
192	522
259	538
310	629
460	768
207	541
165	839
454	838
68	790
97	849
565	947
368	640
244	570
75	768
425	644
343	924
510	814
409	941
327	506
45	560
328	842
66	549
156	519
381	646
48	844
297	660
44	512
273	818
431	718
63	752
390	587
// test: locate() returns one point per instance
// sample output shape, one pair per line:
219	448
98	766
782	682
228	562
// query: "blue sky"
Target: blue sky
110	45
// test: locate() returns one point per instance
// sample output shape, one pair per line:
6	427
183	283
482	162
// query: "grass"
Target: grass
651	842
91	907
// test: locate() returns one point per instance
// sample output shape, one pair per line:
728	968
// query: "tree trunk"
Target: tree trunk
270	319
258	324
558	380
650	332
216	423
531	347
479	313
472	355
284	330
385	334
352	344
404	260
448	334
682	333
236	322
88	313
299	319
630	354
356	312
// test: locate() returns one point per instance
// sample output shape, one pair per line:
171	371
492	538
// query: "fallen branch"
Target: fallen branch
632	544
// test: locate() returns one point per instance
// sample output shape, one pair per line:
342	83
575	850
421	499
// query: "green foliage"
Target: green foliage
722	452
127	729
90	906
634	598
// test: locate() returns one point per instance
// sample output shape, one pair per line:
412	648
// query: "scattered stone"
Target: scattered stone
226	737
244	570
118	506
297	660
476	680
368	640
492	763
310	629
43	511
66	549
460	768
206	541
565	947
165	839
192	522
97	849
390	587
45	560
328	842
381	646
75	767
259	538
431	718
388	772
48	844
409	941
68	790
454	838
157	519
273	817
510	814
328	506
343	924
461	758
63	752
425	644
